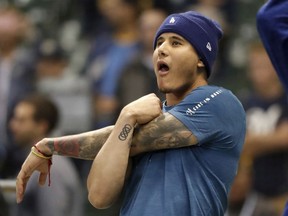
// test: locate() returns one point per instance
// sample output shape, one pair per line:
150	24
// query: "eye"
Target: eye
159	42
176	43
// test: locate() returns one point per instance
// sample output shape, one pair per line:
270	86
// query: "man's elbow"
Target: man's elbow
98	201
98	196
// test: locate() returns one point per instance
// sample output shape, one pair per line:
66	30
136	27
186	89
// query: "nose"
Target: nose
162	50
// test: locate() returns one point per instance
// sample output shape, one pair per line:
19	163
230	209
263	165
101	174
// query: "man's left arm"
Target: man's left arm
164	132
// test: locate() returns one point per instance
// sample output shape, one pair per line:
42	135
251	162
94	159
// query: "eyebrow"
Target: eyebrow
177	38
173	37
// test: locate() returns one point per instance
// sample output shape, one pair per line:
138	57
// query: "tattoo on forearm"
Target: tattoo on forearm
125	132
69	147
84	147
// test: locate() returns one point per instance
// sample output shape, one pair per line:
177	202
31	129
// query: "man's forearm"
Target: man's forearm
83	146
164	132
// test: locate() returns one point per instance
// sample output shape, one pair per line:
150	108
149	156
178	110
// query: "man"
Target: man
272	23
35	117
264	164
16	72
186	157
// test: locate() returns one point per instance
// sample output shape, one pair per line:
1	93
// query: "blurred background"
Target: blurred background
91	57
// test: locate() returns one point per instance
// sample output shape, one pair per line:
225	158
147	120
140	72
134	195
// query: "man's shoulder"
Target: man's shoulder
209	93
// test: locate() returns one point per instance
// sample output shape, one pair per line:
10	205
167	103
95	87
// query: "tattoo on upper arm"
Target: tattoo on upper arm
163	132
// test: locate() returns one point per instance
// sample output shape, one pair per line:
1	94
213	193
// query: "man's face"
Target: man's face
175	64
12	28
149	22
117	12
24	128
261	70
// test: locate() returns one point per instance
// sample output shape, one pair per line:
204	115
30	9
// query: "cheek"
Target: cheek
185	67
154	60
155	56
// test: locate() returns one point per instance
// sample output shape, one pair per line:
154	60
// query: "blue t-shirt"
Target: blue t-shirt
193	180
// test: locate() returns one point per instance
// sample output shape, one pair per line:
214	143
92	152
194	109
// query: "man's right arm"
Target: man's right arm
83	146
164	132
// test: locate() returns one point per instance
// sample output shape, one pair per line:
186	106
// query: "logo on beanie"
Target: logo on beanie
208	46
172	20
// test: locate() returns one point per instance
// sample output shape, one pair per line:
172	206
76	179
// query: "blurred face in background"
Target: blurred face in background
261	70
13	26
23	125
117	12
149	22
49	67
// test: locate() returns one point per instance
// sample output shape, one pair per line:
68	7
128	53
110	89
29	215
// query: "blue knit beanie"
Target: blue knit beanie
201	32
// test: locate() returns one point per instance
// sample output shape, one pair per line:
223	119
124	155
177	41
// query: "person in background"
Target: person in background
65	88
272	27
263	172
35	117
137	78
16	72
272	23
4	206
220	10
110	53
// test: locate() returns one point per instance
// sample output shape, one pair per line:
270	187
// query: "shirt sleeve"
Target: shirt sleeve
203	116
215	119
272	24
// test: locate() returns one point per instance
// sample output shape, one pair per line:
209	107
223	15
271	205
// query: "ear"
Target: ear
200	63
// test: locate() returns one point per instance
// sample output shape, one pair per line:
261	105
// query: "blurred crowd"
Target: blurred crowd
69	66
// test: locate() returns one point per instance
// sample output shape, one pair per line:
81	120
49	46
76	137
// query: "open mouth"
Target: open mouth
163	67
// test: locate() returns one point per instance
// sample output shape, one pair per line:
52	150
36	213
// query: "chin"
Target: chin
165	90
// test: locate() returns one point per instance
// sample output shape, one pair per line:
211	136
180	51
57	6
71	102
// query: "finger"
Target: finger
42	178
21	183
22	179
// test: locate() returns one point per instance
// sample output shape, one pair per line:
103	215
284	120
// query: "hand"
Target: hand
144	109
31	164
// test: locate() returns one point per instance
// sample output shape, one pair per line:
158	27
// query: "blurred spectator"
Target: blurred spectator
35	117
242	32
67	89
138	78
110	53
3	205
219	11
213	9
16	68
172	6
264	164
